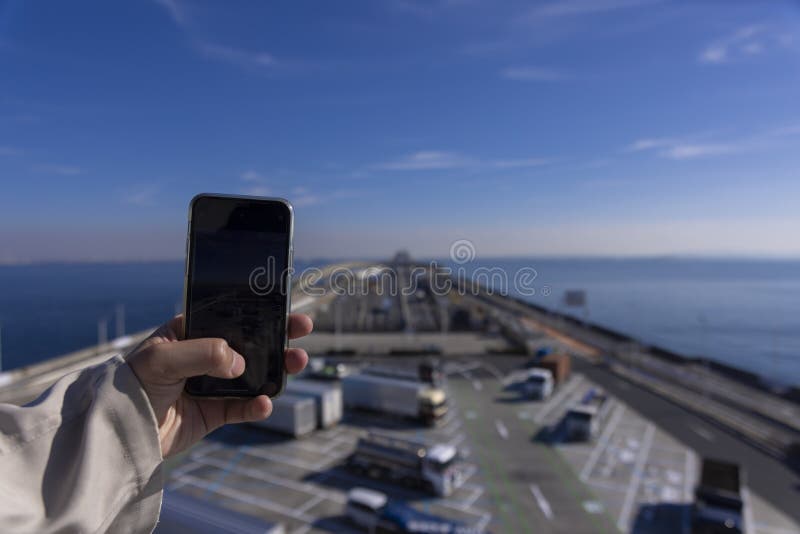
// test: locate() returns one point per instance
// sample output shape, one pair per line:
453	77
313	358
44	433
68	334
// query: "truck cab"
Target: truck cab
432	404
719	502
582	422
440	468
364	507
538	384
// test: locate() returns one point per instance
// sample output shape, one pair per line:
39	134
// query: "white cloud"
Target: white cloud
144	196
584	7
647	144
6	150
681	149
175	9
236	56
252	176
426	160
431	160
519	163
258	191
747	41
702	145
538	74
64	170
689	151
305	200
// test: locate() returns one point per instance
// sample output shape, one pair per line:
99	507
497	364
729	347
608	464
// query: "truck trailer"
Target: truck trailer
393	396
719	501
426	371
435	468
327	397
294	415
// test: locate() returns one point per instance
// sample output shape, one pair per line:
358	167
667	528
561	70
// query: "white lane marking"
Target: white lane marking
703	433
501	428
765	529
300	487
454	368
280	458
555	400
688	476
747	511
311	503
456	441
542	502
636	478
602	442
225	491
493	371
477	385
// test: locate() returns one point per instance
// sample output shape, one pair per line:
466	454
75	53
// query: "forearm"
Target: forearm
83	457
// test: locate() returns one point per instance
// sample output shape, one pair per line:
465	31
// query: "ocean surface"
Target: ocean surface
742	312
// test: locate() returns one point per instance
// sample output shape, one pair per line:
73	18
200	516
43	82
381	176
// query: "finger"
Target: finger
300	325
296	360
218	412
244	410
195	357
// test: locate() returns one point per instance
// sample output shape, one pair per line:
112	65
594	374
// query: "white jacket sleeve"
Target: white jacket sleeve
83	457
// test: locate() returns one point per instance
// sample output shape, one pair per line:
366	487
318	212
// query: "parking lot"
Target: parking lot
303	483
522	476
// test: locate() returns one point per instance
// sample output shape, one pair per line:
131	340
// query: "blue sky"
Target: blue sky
583	127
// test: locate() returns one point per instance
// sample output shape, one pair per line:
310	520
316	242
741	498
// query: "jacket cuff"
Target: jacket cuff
137	428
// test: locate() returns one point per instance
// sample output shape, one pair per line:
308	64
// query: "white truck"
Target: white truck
435	468
403	398
538	384
327	397
373	511
291	414
582	421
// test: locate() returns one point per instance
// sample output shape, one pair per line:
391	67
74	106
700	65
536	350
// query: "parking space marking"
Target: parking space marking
467	503
280	481
456	441
602	442
606	485
501	428
225	491
452	427
765	529
319	466
636	477
311	503
747	511
492	370
185	468
688	476
558	398
541	501
483	522
702	432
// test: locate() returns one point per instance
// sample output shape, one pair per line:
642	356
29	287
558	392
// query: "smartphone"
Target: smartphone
237	287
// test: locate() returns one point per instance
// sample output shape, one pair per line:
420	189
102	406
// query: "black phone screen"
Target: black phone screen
237	288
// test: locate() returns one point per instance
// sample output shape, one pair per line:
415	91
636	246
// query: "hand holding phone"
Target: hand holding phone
164	360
